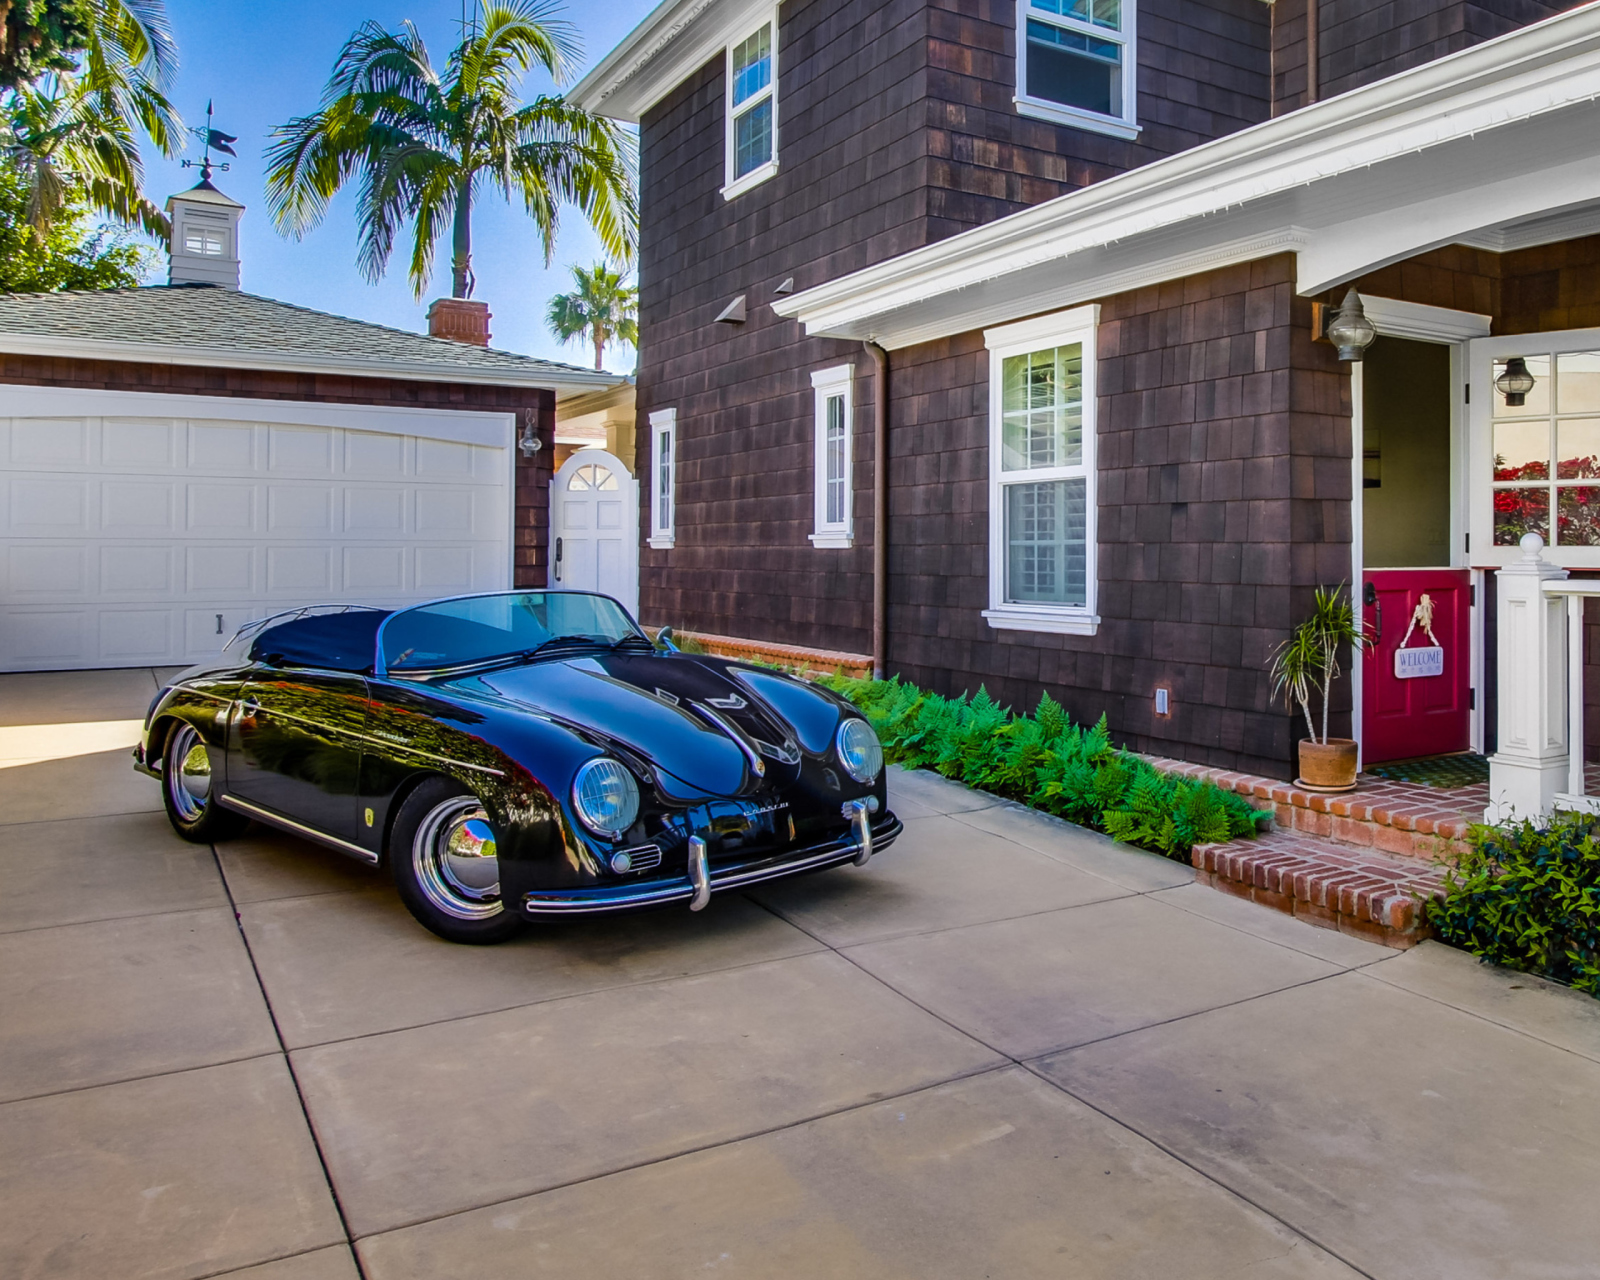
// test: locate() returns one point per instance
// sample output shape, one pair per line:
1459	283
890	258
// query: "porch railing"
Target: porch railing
1538	765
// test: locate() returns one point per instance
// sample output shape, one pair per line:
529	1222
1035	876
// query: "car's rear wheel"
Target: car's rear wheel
187	791
443	858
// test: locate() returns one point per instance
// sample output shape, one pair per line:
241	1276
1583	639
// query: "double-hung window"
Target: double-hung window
1042	474
663	478
752	109
831	388
1076	63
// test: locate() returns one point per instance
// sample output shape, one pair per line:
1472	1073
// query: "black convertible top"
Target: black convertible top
336	641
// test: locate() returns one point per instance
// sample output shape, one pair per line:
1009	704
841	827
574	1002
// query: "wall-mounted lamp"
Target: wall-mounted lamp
529	441
1515	383
1349	329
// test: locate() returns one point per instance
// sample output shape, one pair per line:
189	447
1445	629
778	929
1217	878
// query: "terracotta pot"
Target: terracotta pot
1328	764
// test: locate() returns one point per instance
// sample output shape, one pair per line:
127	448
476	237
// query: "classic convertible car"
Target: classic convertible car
517	756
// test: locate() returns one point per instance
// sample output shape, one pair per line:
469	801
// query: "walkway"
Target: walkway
1006	1048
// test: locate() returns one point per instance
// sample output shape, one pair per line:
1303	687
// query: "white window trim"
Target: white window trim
825	384
1060	329
663	534
1481	355
733	186
1124	126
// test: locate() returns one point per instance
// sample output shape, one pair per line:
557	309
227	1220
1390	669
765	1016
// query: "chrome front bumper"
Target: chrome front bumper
650	893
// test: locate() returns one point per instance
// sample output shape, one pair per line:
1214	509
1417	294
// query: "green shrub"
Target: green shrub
1528	898
1046	761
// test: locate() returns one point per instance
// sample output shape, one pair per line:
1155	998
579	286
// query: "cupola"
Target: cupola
205	236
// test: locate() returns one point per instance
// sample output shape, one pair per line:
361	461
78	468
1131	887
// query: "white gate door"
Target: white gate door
594	527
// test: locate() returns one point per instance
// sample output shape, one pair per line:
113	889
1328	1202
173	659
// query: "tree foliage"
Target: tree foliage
1046	761
38	37
422	145
72	254
602	309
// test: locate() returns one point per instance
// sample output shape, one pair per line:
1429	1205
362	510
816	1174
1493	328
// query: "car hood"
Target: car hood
662	707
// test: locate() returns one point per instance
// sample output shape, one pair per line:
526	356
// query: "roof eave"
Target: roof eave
565	382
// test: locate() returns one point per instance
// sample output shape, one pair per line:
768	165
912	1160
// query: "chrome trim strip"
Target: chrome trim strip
699	876
861	820
298	828
558	903
758	766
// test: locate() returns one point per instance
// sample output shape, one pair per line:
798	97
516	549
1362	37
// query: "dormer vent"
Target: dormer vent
205	237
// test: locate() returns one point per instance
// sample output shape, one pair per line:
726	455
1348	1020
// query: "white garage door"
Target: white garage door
134	539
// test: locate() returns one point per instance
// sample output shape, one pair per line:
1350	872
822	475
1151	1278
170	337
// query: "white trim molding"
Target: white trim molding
1125	123
663	479
830	387
1043	334
1427	324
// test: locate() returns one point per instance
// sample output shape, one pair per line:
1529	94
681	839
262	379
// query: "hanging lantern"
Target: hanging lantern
1515	383
1350	330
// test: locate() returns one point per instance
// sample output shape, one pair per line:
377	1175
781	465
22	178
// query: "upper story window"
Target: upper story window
1075	63
664	478
752	109
205	241
1042	474
833	455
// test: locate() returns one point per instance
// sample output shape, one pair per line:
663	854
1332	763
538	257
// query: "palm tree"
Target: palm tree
602	308
424	145
72	129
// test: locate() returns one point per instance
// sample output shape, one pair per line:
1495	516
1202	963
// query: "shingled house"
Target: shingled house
178	459
1076	250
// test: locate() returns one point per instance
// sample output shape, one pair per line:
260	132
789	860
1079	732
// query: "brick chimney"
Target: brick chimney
459	320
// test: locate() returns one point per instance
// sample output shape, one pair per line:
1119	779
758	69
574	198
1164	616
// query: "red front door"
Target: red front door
1416	690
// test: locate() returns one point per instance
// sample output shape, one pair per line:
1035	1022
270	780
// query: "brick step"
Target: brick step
1366	894
1401	819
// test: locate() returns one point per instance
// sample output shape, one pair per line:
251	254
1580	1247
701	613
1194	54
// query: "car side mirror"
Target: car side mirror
665	641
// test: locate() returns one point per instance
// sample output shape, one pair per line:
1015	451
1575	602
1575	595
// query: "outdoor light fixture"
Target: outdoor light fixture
1515	383
1350	330
529	441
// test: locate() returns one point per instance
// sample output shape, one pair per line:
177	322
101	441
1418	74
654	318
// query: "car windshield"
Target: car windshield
479	629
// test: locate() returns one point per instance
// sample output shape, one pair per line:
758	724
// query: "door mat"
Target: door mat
1464	770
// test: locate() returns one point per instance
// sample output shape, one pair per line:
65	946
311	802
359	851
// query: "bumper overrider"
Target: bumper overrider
704	879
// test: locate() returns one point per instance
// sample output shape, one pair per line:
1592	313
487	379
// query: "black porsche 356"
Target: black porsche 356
517	756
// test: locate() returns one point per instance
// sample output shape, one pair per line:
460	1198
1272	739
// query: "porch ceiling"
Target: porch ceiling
1493	146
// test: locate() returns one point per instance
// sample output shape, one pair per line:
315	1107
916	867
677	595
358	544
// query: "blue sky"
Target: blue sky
264	63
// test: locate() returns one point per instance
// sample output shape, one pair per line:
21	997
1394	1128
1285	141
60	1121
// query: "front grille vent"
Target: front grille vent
645	857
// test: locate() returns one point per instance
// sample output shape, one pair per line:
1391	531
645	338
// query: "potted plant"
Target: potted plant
1308	662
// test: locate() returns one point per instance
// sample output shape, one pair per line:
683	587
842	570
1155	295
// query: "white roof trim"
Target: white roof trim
574	382
1415	320
1186	201
670	45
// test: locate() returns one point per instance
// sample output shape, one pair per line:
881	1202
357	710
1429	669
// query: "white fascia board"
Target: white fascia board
566	382
1539	69
464	426
1417	320
670	45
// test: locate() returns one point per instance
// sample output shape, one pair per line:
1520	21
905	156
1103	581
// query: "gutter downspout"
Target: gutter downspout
1313	52
880	506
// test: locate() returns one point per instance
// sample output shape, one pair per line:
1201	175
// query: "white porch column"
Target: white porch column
1529	765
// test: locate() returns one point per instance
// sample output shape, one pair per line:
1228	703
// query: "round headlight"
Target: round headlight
859	751
605	797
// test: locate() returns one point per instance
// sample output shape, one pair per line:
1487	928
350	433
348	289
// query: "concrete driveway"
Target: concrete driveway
1007	1048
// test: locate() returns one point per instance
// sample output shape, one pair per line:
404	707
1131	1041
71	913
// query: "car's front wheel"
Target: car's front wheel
443	858
187	790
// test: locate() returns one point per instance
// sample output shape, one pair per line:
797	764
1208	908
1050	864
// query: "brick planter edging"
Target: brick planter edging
1366	895
811	661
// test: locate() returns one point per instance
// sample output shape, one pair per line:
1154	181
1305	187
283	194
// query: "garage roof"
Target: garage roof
199	324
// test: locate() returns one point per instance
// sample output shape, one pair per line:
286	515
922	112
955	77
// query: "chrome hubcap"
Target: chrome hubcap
455	860
188	774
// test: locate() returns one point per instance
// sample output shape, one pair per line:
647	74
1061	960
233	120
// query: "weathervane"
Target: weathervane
211	138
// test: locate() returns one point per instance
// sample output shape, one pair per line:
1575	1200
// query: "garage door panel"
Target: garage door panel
137	507
375	511
43	505
40	570
139	540
139	444
137	570
225	447
304	509
221	508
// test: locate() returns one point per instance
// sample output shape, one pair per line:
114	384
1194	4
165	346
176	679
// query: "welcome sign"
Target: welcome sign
1413	664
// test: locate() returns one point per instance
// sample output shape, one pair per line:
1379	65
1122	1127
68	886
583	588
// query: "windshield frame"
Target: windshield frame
380	668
